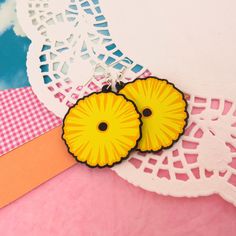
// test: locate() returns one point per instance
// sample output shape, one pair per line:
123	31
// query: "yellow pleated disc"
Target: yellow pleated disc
102	128
163	110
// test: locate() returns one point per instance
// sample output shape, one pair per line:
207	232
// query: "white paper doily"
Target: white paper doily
67	38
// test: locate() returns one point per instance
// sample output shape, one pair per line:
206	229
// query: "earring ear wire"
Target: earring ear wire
94	75
118	84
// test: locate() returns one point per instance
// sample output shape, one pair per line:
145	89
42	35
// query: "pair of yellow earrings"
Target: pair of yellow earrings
146	114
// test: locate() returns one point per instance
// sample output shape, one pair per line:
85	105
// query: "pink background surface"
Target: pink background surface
83	201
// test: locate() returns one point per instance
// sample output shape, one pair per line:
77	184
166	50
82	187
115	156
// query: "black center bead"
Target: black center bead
102	126
147	112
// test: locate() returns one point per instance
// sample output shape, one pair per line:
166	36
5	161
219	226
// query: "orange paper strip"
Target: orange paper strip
30	165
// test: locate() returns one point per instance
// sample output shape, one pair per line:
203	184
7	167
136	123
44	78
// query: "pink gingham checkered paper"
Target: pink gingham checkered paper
22	118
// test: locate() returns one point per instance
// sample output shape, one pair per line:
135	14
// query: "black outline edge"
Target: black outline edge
186	111
122	158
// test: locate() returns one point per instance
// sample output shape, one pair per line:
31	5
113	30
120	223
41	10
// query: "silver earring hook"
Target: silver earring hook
121	74
107	72
94	75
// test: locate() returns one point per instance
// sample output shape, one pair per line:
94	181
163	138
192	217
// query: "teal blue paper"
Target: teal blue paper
13	51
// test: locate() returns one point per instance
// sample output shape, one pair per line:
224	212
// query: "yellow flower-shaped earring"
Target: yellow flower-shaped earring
102	128
163	110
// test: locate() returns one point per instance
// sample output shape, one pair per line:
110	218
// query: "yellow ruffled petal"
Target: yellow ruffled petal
102	128
163	110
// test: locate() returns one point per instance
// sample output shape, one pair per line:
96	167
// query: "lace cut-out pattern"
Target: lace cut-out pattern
62	55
